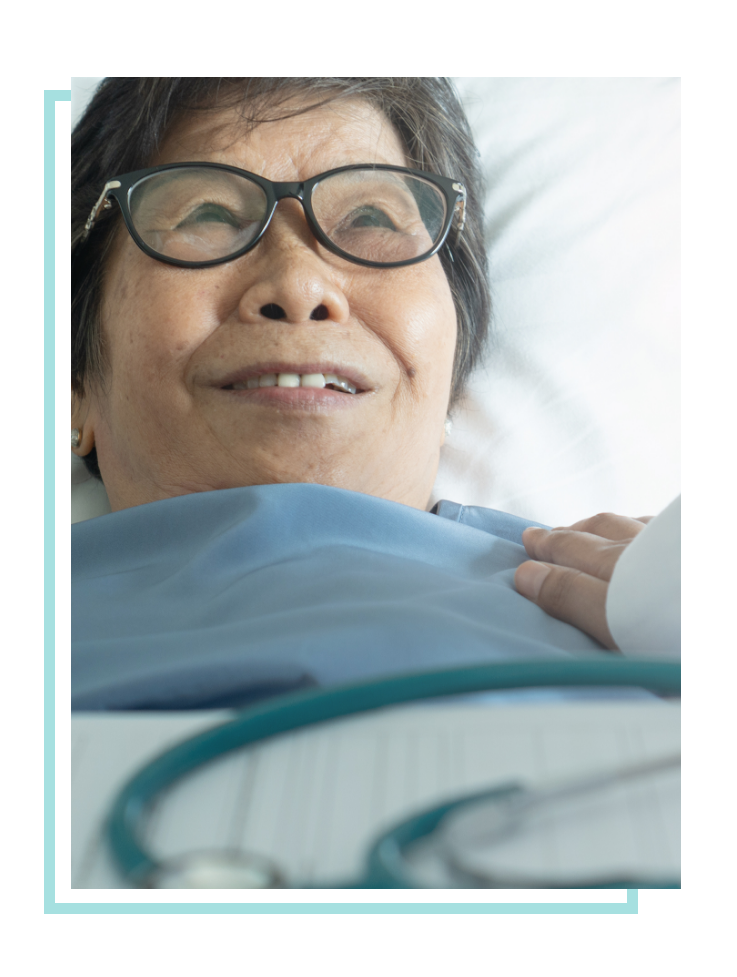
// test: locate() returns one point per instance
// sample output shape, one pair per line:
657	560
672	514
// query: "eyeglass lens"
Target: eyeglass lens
194	214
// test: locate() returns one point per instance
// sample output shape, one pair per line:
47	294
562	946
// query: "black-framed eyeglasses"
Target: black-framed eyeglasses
196	215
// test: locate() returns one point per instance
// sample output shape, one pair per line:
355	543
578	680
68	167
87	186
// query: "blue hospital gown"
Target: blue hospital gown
220	598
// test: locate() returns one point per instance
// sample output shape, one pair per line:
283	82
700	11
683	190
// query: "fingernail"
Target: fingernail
532	533
529	579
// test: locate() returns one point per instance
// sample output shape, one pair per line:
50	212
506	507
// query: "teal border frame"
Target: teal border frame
51	97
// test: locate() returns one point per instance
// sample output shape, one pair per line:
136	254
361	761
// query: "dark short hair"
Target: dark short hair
128	118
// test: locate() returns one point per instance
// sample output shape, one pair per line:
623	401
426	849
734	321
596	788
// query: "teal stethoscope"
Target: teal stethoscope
451	827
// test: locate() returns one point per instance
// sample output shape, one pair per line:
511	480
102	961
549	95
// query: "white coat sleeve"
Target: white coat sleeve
643	606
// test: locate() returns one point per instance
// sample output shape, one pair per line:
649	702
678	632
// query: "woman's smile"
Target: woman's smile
311	386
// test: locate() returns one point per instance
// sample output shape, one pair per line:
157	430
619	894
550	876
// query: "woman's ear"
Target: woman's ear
83	422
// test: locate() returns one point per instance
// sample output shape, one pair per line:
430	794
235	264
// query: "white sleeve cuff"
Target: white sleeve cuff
643	606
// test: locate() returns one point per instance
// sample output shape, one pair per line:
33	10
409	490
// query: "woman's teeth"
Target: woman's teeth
296	380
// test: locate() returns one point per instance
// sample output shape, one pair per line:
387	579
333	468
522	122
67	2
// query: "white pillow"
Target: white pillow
576	407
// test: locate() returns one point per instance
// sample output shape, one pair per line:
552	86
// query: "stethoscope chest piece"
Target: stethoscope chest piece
216	870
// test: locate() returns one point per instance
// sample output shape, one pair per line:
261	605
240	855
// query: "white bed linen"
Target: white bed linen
576	407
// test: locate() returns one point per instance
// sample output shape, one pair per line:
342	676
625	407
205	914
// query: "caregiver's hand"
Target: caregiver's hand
573	567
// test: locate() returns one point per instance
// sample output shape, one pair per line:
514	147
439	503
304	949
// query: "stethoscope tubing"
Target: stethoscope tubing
286	713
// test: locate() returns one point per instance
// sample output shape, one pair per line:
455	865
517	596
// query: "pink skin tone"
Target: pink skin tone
164	425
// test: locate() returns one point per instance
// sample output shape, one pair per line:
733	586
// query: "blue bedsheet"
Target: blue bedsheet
219	598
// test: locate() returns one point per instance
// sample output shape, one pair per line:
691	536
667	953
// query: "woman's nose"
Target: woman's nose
287	278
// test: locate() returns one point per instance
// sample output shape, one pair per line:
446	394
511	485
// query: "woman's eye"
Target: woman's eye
210	214
369	217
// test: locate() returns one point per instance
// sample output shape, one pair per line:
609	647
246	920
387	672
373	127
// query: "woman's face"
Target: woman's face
170	417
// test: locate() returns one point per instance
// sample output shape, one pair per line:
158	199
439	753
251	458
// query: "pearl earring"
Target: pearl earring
76	437
448	426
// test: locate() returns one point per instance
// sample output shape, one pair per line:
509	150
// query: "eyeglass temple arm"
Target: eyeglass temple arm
460	209
102	204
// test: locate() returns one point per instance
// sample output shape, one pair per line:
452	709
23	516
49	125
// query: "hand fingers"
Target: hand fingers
572	548
610	526
569	595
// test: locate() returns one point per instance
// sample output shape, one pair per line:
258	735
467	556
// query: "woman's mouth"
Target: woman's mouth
297	386
316	381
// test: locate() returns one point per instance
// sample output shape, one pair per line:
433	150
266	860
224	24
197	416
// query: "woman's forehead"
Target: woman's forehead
337	134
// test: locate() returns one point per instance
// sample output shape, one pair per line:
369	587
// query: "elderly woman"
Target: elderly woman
279	291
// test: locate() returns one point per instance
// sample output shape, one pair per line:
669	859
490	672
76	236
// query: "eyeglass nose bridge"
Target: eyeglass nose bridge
290	191
283	191
287	191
